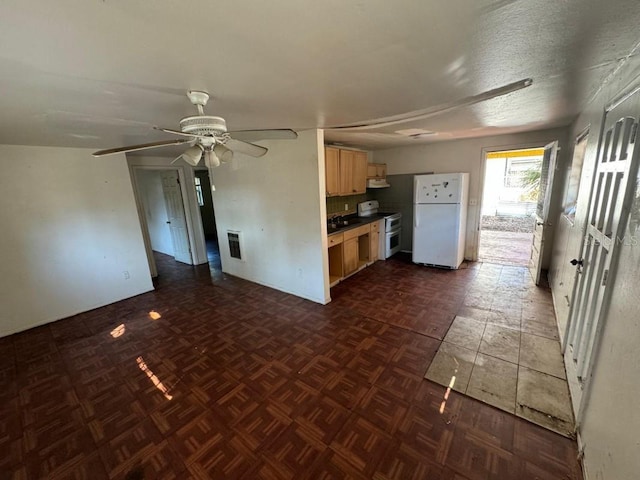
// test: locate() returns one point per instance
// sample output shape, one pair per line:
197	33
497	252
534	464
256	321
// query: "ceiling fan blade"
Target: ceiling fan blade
176	132
246	148
255	135
143	146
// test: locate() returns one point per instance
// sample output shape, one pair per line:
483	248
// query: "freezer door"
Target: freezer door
440	188
436	235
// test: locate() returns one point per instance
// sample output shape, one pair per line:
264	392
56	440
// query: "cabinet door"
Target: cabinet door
381	170
346	172
332	170
350	255
372	170
374	236
359	178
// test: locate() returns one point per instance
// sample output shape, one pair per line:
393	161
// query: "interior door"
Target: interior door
542	224
609	204
177	221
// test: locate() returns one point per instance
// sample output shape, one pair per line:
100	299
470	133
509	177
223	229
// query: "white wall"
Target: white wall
70	230
155	210
465	155
609	429
278	204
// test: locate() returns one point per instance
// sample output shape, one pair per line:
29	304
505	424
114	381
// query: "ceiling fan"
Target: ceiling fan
207	137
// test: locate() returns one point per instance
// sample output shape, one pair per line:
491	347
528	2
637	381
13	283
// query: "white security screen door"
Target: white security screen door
542	209
176	221
609	203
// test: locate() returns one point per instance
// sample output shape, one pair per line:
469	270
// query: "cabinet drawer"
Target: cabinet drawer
356	232
336	239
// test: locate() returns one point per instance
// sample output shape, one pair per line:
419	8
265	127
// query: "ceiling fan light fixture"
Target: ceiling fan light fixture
192	155
223	153
211	160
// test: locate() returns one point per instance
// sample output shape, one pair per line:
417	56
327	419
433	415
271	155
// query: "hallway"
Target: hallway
211	376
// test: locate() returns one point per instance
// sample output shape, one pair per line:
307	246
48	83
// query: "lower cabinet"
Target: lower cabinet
350	255
352	250
374	237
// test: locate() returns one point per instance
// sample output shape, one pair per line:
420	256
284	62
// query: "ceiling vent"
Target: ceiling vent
416	133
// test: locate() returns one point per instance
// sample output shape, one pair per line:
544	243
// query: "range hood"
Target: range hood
377	183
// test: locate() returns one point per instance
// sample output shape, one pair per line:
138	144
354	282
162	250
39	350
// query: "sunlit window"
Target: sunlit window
572	186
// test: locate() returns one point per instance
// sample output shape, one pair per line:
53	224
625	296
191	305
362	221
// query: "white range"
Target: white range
392	225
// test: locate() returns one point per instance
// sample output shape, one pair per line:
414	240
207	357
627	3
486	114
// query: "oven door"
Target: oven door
393	222
392	243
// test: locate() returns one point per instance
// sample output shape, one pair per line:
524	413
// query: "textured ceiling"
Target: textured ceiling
94	73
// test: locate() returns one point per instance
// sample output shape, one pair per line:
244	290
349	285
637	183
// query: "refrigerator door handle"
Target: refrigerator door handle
416	219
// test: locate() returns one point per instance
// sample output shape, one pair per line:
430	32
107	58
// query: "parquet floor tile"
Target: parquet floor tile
235	380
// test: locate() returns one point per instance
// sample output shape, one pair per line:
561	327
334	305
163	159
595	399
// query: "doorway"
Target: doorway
163	214
204	195
510	193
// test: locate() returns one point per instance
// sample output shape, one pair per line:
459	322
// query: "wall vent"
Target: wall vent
234	244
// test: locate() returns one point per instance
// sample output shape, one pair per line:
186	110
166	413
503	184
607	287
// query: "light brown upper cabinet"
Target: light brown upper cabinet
332	170
347	158
376	170
345	171
359	180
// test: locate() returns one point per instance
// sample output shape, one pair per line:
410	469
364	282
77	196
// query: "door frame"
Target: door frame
483	172
134	170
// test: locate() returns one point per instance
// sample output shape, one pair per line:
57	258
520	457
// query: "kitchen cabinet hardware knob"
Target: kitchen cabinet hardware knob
168	221
576	262
539	223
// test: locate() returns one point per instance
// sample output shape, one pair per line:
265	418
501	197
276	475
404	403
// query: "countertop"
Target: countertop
355	222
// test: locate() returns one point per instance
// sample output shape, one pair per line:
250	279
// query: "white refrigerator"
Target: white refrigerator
440	218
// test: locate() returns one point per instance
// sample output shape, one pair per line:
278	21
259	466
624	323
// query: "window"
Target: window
518	171
199	192
572	186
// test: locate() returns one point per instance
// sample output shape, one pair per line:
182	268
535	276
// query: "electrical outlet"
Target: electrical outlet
473	202
126	275
346	206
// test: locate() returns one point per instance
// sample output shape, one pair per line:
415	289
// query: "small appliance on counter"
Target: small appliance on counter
392	224
440	218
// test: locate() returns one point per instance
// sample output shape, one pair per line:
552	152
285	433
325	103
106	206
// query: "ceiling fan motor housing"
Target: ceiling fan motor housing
203	125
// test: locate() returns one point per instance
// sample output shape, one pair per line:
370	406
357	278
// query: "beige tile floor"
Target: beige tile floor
506	352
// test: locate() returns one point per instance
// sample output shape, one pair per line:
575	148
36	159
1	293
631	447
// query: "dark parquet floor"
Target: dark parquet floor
235	380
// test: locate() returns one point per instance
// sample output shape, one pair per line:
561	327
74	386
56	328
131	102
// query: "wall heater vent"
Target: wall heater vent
234	244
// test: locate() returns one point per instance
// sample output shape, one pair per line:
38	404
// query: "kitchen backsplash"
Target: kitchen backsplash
336	204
